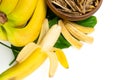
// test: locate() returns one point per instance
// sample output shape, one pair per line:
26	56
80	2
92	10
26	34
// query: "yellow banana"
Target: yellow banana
39	55
21	70
22	36
7	6
22	13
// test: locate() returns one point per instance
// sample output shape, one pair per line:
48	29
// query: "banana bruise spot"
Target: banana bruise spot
3	18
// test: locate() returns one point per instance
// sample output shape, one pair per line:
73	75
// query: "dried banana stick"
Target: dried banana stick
74	42
81	28
78	34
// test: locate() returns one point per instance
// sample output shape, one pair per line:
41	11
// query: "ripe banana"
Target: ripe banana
38	56
22	13
7	6
21	70
22	36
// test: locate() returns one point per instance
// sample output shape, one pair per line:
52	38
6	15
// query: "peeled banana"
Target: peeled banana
20	70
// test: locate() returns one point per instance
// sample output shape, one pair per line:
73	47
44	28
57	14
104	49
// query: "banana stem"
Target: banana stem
3	18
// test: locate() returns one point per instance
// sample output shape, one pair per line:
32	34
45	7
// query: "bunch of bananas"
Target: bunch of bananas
21	20
34	54
21	23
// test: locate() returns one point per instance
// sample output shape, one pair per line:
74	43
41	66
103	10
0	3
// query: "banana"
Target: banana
22	13
22	36
7	6
3	35
20	70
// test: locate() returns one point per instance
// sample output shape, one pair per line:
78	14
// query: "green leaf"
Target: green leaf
62	43
15	51
89	22
53	21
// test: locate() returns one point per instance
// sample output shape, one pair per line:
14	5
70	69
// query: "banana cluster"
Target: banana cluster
34	54
21	20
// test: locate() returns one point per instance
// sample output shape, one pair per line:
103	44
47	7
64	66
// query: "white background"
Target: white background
97	61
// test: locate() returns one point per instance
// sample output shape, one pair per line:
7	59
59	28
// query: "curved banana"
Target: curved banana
7	6
22	13
21	70
22	36
34	60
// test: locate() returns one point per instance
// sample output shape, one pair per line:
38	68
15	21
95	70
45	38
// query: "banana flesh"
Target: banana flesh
26	51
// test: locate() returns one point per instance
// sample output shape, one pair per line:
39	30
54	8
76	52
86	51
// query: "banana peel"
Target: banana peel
22	36
61	57
7	6
3	35
21	13
21	70
31	58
